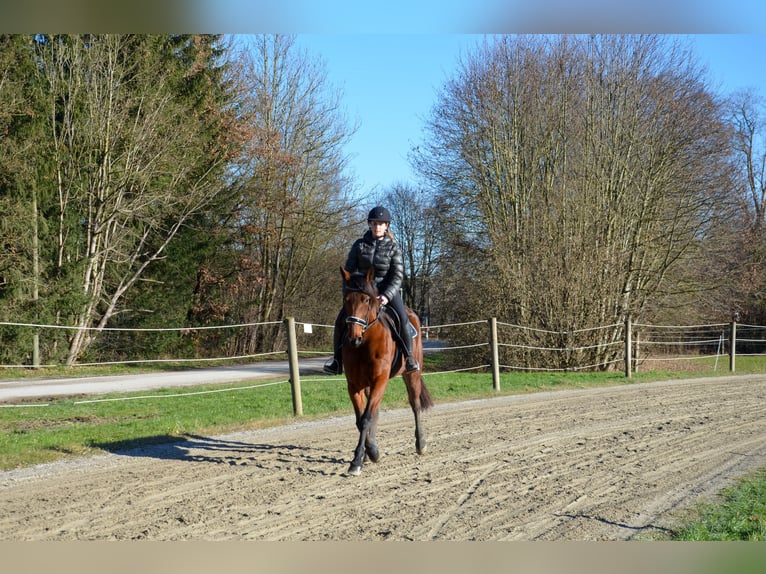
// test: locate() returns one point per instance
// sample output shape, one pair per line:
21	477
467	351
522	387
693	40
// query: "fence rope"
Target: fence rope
584	348
685	327
674	343
562	369
680	358
464	346
689	339
156	361
455	324
585	330
316	325
138	329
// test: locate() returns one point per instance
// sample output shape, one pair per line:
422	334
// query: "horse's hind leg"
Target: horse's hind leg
420	436
415	394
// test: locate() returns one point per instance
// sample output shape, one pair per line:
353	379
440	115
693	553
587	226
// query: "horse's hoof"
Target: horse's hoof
420	449
373	455
354	470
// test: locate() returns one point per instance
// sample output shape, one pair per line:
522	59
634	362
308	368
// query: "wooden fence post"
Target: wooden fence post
295	376
732	346
494	353
636	352
628	348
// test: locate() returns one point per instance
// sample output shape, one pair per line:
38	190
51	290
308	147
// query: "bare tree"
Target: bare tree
585	171
290	189
747	114
748	117
417	231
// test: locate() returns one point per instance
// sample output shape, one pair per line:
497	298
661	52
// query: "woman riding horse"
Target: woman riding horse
377	249
370	360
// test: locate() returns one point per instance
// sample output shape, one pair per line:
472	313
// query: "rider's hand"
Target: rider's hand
383	299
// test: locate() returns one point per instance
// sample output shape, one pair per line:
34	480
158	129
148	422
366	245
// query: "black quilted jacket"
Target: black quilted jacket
385	255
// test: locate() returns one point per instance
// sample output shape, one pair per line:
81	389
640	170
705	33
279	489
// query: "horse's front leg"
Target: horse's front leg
359	400
367	425
363	424
370	444
367	447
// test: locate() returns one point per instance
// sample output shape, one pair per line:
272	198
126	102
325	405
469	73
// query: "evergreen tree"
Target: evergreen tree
131	136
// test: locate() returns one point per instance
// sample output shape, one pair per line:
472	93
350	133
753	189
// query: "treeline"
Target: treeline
164	181
578	181
195	180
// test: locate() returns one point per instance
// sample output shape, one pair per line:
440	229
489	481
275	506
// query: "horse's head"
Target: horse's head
360	302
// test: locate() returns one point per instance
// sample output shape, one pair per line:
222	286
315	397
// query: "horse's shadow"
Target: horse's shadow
210	450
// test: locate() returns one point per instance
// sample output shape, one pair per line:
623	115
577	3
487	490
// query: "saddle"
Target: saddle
395	322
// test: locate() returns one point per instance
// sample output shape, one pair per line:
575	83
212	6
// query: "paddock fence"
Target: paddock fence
493	346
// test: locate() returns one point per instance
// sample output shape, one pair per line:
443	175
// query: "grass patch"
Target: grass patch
739	513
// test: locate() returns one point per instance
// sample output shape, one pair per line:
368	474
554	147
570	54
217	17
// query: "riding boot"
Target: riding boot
410	363
335	365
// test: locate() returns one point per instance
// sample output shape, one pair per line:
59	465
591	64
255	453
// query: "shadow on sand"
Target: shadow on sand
210	450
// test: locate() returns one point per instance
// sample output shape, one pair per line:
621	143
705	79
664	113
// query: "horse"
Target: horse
371	358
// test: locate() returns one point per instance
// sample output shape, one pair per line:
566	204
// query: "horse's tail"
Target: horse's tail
426	402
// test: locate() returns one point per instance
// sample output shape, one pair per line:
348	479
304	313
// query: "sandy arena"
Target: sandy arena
614	463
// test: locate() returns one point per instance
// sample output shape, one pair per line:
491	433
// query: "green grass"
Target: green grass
34	434
738	514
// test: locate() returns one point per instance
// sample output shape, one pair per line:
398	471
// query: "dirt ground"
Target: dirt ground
606	464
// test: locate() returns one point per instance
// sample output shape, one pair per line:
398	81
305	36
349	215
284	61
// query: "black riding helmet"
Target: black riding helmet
379	214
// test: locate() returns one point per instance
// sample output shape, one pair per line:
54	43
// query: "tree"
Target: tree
133	158
289	189
580	176
20	277
416	226
747	112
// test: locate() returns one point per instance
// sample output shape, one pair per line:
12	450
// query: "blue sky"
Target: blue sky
390	82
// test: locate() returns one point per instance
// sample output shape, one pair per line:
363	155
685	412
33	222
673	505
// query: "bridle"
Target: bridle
364	323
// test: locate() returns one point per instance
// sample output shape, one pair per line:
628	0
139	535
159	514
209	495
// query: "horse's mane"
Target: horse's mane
358	282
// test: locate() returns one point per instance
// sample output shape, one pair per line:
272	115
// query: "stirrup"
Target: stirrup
332	367
411	365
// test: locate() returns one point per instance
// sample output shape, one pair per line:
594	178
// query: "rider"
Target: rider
378	249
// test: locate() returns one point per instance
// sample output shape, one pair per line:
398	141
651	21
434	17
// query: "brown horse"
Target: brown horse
370	359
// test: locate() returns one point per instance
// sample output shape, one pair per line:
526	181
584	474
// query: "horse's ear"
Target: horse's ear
370	274
345	274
